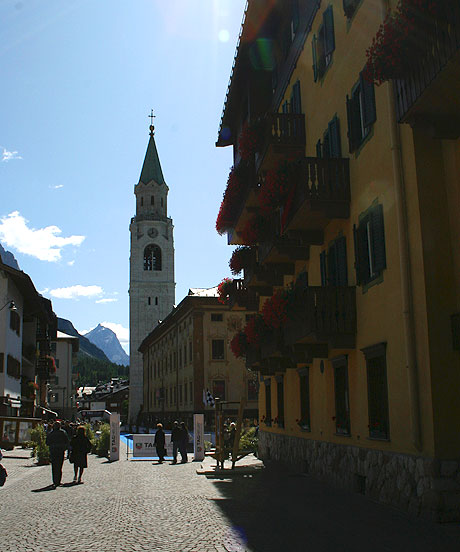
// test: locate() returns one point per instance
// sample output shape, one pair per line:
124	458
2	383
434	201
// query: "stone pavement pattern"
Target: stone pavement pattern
137	506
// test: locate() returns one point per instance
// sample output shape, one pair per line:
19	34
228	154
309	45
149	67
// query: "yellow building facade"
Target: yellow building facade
346	205
187	355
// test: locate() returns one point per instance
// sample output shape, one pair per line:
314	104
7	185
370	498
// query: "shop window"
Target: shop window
218	350
323	45
361	112
304	388
218	389
252	390
377	391
370	254
152	258
342	402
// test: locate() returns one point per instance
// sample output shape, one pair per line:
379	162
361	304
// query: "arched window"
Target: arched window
152	257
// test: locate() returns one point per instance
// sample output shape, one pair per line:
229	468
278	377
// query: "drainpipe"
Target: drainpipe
404	259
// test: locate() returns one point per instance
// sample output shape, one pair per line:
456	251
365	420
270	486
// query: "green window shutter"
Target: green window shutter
296	103
318	149
342	272
368	101
353	118
334	138
332	265
322	263
326	145
315	62
285	107
378	239
329	39
361	254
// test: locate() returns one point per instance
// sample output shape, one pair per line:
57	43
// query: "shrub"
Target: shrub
249	440
91	436
40	449
103	443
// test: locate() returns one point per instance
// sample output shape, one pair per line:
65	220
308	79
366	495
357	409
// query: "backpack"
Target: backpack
3	475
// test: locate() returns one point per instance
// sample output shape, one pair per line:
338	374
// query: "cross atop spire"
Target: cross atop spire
152	128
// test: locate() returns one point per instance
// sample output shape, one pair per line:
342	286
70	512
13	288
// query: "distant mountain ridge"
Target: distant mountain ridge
107	341
86	347
8	258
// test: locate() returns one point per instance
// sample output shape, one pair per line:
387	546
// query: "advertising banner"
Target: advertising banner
198	436
144	447
114	437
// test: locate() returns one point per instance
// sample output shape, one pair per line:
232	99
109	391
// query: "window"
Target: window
333	264
331	146
304	387
252	390
190	351
2	357
15	322
218	352
218	389
191	391
185	354
152	258
349	7
342	404
268	402
149	301
152	200
361	112
324	45
55	397
370	255
185	393
215	317
53	347
377	391
280	399
180	394
13	367
142	201
156	301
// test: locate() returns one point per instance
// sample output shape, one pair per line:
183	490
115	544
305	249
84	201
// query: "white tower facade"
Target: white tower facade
151	281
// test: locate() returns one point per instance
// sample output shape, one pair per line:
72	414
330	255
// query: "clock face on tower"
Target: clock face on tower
152	232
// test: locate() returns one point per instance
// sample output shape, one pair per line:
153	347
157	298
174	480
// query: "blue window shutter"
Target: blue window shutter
332	265
318	149
342	272
315	62
378	239
353	119
368	101
329	38
296	102
334	138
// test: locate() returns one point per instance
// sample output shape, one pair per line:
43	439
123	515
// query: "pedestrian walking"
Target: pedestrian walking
183	442
80	448
58	442
160	443
176	436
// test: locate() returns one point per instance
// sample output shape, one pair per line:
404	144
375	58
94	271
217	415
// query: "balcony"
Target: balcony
430	89
321	193
263	278
323	315
242	298
282	134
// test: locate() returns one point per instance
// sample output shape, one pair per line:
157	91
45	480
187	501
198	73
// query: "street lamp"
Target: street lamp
12	306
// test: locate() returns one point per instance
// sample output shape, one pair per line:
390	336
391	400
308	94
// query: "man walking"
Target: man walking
176	436
58	443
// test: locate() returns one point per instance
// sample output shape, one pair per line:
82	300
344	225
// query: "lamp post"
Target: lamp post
12	306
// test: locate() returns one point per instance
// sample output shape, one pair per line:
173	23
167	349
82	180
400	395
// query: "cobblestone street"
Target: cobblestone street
136	506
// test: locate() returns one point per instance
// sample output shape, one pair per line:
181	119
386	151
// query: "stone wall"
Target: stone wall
422	486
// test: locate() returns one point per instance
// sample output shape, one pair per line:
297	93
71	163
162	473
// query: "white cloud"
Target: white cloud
57	187
75	292
121	332
44	244
107	300
71	263
9	155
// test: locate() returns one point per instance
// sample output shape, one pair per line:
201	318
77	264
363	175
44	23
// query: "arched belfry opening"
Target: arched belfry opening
152	257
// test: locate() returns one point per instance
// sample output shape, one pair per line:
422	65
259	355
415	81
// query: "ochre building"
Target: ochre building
345	194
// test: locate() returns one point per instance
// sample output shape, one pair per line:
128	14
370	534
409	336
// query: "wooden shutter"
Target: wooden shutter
322	264
353	118
285	107
361	254
332	265
378	239
326	145
318	149
368	101
296	104
329	39
334	138
315	61
341	252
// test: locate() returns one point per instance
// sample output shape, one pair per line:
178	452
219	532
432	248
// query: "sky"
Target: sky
79	78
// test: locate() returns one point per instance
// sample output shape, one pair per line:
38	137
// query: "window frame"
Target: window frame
221	356
304	389
342	416
361	112
370	246
378	412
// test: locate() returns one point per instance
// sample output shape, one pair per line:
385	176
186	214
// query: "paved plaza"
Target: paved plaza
137	506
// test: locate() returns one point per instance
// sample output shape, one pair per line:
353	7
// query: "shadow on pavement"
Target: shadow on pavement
274	511
43	489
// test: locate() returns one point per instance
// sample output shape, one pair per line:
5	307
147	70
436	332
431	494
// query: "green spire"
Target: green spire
151	170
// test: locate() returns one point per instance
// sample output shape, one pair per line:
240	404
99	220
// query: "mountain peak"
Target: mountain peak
107	340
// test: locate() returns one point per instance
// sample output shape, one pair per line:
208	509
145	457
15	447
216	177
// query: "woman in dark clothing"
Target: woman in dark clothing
160	443
80	446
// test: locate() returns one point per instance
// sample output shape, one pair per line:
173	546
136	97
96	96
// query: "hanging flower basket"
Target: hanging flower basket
254	230
223	290
239	344
230	203
275	188
278	308
240	258
254	329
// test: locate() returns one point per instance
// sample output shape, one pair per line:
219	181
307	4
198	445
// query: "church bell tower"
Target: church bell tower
151	279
